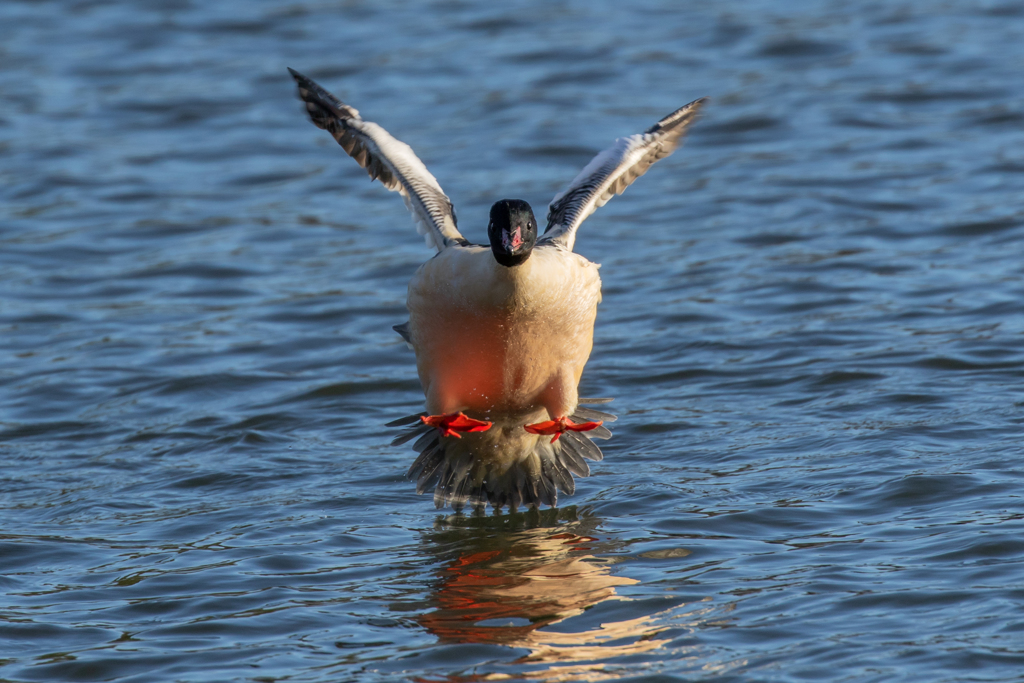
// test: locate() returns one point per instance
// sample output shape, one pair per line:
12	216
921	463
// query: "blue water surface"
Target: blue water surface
813	327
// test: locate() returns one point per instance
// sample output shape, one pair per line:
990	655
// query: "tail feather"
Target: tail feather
547	491
427	474
599	432
557	474
462	493
410	434
585	447
452	483
439	491
515	500
572	460
591	414
429	437
519	493
425	464
407	420
460	478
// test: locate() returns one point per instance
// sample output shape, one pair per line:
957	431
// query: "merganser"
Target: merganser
501	332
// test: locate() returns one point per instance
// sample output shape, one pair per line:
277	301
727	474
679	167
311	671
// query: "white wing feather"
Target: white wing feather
612	171
386	159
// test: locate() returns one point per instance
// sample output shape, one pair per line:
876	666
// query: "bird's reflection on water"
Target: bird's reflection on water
507	579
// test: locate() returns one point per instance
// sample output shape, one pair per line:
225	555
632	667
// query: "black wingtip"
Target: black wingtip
305	81
316	97
684	115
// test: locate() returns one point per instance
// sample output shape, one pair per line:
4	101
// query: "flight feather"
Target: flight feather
386	159
612	171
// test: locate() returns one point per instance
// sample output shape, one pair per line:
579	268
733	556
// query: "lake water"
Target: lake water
813	327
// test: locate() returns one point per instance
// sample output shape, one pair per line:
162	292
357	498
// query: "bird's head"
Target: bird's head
512	231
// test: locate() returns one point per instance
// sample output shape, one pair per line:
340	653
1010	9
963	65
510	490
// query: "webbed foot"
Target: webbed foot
453	423
560	426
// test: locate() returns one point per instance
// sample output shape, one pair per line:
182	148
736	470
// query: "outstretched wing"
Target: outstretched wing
612	171
386	159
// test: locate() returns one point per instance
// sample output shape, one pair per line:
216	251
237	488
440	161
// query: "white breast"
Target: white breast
499	341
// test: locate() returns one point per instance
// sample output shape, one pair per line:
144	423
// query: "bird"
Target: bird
501	331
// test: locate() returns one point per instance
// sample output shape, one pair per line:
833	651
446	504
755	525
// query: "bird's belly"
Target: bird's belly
492	362
500	341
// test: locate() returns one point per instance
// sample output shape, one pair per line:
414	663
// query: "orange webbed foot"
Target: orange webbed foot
453	423
560	426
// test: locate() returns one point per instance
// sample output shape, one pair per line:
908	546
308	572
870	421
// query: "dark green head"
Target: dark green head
512	231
